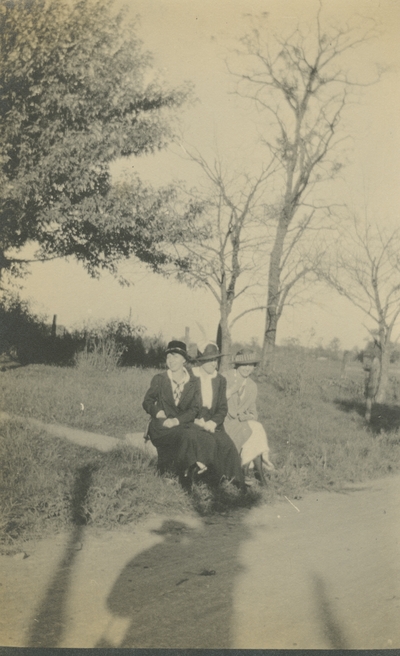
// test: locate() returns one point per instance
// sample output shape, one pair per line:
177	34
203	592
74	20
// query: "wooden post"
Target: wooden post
187	336
219	337
54	326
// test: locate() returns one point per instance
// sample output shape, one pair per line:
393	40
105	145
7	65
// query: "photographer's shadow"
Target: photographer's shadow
174	594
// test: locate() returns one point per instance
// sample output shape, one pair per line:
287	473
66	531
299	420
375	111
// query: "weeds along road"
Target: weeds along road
324	576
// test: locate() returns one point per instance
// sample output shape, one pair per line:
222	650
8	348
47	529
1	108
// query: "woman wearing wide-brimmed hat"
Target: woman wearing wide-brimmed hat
241	422
173	401
213	448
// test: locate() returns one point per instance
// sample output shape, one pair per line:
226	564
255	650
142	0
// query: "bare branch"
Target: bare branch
242	314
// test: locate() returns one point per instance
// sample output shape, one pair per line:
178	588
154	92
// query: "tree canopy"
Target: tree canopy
77	92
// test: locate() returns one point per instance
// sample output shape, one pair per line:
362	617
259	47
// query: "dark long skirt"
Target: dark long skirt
198	446
170	444
215	450
227	461
180	447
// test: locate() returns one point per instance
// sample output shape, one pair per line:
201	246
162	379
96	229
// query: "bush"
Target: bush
102	354
29	339
117	343
22	334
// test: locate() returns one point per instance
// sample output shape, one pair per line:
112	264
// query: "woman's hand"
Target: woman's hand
210	426
161	415
243	416
171	422
199	422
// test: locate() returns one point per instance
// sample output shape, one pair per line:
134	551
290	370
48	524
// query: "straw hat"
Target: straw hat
207	352
245	356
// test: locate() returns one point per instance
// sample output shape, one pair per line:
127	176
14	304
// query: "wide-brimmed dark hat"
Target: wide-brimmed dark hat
245	356
177	347
208	352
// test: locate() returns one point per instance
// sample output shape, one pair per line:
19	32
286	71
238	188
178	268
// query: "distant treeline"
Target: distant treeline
29	338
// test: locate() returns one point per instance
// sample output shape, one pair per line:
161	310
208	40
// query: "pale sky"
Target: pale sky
189	40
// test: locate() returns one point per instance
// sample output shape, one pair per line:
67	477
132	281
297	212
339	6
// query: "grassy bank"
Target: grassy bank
314	419
50	483
316	428
88	399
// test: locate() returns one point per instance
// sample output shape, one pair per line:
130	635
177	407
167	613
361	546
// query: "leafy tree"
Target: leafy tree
301	84
76	93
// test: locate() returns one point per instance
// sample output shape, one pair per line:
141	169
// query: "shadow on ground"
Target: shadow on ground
330	625
179	593
383	417
176	594
49	620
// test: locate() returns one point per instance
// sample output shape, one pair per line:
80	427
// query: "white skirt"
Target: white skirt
256	445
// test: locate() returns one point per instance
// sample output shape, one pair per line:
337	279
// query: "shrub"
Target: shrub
102	353
22	334
118	343
28	338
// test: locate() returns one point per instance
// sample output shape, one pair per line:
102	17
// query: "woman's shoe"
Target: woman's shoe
185	480
193	473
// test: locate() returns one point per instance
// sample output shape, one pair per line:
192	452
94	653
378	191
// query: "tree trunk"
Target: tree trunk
272	314
4	263
225	340
384	374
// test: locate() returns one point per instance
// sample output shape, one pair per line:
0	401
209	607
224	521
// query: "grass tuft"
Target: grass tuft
101	355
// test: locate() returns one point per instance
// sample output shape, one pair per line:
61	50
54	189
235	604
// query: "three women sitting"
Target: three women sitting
187	417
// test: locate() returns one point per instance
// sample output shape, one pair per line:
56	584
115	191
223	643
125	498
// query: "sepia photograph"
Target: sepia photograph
200	324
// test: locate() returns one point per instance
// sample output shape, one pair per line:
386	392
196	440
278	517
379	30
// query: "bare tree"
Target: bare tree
228	257
366	269
301	83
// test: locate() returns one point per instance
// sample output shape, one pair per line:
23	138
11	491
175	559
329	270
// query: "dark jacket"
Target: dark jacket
160	397
219	406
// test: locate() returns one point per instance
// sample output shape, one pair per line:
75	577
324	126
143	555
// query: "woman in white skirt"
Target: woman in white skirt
241	422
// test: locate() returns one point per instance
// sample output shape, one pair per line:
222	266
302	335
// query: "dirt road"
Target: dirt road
324	576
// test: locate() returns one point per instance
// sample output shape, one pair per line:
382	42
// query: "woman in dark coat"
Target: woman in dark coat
173	401
214	448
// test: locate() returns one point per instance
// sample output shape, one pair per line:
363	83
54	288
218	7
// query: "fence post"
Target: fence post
54	326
